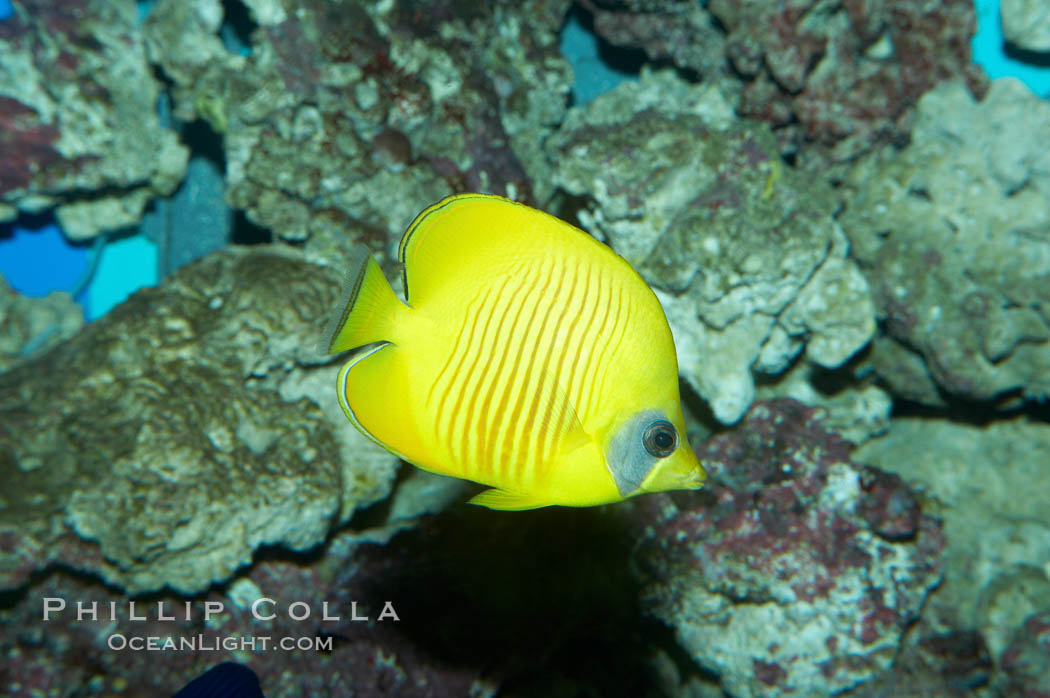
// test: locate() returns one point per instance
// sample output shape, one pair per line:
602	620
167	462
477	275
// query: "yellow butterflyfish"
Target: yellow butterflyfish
527	356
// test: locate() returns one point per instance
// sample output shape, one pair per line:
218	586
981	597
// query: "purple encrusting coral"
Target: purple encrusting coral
796	569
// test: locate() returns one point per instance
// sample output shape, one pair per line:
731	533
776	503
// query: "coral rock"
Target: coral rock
835	78
951	232
682	32
364	113
167	441
31	326
1026	24
78	117
796	570
996	516
1026	662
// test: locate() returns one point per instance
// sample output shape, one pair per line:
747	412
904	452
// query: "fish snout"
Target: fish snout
681	471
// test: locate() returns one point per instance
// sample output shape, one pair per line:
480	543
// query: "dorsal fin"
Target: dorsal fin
446	233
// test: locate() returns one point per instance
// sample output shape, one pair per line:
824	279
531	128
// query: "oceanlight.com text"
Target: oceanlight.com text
231	643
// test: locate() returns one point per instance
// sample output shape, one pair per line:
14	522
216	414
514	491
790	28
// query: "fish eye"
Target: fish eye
660	439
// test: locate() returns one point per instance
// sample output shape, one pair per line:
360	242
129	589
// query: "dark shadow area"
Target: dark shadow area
1036	59
247	233
976	413
31	222
698	408
237	27
852	374
569	206
27	592
378	514
542	600
204	142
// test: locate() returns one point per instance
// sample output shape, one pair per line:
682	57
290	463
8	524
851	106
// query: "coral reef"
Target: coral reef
951	233
797	570
78	117
188	447
167	441
741	249
551	602
1026	24
31	326
362	113
998	551
834	77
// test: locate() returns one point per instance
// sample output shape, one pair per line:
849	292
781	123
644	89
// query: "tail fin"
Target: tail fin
369	307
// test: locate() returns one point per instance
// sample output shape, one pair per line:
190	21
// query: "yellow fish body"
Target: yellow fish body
529	357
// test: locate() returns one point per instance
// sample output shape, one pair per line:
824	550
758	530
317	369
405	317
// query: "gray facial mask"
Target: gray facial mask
627	458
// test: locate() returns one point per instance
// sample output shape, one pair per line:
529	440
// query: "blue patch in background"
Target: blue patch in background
989	52
593	71
36	259
125	265
5	9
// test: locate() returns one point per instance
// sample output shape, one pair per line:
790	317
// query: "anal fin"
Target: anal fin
372	389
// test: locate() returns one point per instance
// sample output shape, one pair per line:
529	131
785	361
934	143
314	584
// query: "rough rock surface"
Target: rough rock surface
1026	662
79	129
365	113
996	516
1026	24
31	326
679	31
167	441
949	664
952	234
796	570
834	77
852	405
741	249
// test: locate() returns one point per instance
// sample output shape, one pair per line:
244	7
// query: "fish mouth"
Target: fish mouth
697	478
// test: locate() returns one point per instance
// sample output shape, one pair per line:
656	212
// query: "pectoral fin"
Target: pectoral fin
504	500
